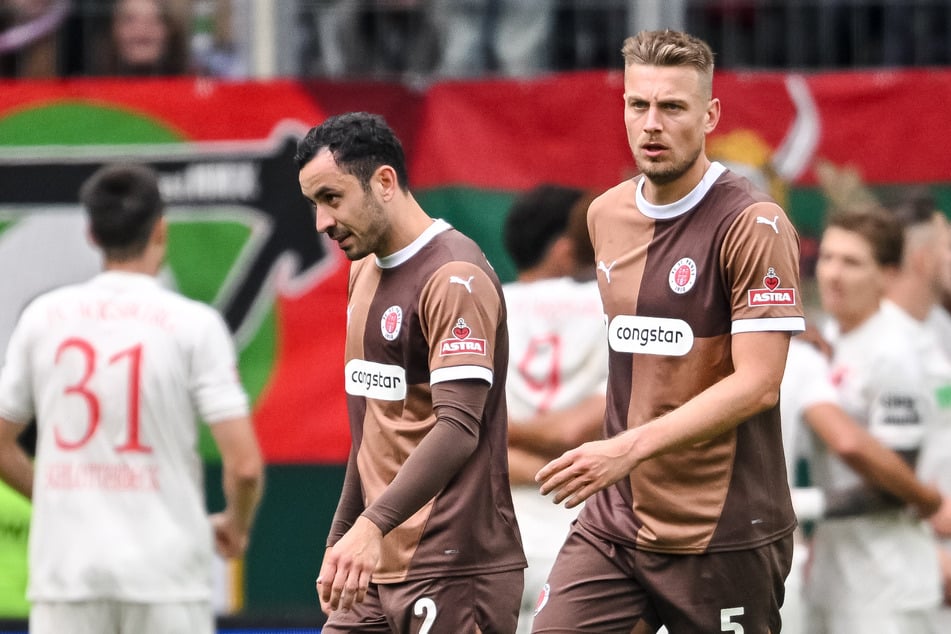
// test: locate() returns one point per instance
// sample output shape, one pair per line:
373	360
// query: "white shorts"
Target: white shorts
96	617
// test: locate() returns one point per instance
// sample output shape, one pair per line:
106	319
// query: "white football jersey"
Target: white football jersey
806	382
117	371
558	353
886	558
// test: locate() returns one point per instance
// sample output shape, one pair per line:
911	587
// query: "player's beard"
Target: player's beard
666	172
372	237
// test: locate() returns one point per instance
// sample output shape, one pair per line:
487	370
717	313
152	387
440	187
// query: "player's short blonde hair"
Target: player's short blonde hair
671	48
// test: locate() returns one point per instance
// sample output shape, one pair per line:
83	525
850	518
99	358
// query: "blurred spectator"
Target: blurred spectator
376	37
144	38
212	41
28	29
509	37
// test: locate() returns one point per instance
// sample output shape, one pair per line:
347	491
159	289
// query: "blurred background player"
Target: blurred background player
811	414
116	371
876	571
916	293
558	362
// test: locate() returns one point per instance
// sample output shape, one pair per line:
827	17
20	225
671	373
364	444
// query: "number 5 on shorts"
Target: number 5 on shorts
726	620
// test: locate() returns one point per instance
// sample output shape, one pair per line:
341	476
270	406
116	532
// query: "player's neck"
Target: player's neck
132	266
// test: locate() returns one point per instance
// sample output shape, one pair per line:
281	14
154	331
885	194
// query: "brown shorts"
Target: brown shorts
599	586
457	605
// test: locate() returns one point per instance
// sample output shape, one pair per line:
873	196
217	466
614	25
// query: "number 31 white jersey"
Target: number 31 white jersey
117	372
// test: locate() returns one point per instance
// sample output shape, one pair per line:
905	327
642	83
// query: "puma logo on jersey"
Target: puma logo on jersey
606	268
455	279
766	221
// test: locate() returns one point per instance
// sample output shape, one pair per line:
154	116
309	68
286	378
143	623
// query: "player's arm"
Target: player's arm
523	465
553	432
348	565
759	359
243	483
16	468
350	504
878	465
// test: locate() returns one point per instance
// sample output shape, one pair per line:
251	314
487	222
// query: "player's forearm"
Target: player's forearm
429	468
892	478
350	504
16	468
243	487
879	466
523	465
552	433
713	412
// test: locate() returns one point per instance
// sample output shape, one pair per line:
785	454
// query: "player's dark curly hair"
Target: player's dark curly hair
123	203
360	143
536	219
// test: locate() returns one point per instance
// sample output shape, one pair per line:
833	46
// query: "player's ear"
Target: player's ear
91	238
160	231
385	182
712	116
562	256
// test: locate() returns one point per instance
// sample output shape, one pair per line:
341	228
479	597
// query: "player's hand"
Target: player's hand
347	566
231	541
941	520
581	472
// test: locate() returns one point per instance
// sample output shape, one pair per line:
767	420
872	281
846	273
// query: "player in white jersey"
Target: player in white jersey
811	414
876	571
915	296
116	371
557	363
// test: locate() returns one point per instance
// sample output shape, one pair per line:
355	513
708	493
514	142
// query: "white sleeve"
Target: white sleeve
216	386
806	380
899	402
16	387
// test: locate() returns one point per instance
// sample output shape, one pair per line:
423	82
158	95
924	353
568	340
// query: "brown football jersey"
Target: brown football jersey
677	281
429	313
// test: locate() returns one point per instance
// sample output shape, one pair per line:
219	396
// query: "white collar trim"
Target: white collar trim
685	204
395	259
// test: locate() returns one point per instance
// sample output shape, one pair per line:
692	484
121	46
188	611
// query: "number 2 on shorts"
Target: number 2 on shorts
428	607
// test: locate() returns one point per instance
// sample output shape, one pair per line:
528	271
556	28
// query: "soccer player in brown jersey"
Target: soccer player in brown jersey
424	538
688	521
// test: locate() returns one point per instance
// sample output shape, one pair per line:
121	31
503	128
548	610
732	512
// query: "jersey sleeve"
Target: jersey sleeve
760	258
17	403
460	312
806	380
216	386
900	405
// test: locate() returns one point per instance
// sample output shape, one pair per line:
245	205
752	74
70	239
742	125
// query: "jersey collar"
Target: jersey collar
685	204
395	259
